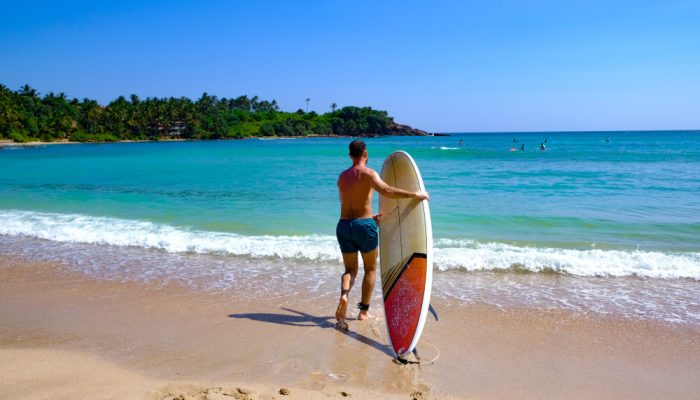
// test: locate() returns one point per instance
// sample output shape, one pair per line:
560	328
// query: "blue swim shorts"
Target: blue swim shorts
357	235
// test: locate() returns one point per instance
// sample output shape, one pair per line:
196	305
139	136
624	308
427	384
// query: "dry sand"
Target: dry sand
65	336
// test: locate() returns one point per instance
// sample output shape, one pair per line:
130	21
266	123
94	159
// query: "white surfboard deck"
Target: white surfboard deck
406	255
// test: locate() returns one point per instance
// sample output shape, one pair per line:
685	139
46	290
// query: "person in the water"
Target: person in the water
542	147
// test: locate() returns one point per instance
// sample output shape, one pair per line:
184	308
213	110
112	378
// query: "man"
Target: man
357	229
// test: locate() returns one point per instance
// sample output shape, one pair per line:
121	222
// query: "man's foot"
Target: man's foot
342	326
363	315
364	311
342	309
340	314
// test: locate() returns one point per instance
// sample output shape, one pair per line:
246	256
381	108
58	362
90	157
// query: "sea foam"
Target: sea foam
465	255
76	228
445	148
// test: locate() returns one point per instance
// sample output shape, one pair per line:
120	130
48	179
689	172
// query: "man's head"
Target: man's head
358	150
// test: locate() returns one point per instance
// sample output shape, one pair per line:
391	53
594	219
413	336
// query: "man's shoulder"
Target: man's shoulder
353	173
366	170
361	169
369	172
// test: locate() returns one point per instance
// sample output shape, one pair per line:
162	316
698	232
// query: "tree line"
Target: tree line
27	116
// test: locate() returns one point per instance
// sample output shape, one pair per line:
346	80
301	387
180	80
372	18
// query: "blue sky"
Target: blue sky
441	66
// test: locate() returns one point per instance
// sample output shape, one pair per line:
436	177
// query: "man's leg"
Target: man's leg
346	283
369	260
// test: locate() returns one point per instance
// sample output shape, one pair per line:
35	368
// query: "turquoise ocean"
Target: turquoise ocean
601	222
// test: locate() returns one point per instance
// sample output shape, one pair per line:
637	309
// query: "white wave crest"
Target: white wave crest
445	148
473	256
449	254
75	228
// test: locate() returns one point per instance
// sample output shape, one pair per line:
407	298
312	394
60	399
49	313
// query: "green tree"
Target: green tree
24	115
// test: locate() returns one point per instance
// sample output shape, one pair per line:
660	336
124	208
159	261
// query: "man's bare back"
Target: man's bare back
355	192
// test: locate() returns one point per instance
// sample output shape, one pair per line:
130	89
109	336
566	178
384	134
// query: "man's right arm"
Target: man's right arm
392	192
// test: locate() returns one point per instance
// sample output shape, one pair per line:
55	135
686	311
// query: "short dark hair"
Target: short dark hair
357	148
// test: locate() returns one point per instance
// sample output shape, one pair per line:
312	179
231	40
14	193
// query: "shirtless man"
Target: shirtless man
357	229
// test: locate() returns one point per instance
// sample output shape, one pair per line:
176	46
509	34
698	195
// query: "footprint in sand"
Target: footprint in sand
211	394
376	327
287	367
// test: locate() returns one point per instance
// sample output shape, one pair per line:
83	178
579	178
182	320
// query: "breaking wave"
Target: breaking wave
464	255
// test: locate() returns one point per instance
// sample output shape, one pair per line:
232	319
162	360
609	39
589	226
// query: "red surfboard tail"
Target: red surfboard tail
403	301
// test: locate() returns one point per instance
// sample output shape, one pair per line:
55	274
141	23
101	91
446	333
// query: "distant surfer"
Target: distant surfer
542	147
522	147
461	142
357	229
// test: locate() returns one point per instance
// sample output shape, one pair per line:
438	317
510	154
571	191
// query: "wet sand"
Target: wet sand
63	335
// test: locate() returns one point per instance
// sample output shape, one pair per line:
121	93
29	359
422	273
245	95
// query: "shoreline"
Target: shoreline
159	340
8	143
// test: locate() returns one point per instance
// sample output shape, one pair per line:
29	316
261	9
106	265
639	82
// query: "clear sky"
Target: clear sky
457	66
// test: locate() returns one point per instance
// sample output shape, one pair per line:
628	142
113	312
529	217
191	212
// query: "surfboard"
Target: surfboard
406	259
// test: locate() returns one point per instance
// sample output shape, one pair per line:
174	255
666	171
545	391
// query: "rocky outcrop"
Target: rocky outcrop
405	130
402	130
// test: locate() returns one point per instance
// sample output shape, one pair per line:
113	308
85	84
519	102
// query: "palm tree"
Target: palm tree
307	104
27	90
254	103
334	106
91	115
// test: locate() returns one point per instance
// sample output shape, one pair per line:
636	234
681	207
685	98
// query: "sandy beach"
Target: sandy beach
13	144
64	335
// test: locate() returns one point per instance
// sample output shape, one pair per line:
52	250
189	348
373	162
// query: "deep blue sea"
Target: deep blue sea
616	210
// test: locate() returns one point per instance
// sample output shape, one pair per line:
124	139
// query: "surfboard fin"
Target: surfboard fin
432	311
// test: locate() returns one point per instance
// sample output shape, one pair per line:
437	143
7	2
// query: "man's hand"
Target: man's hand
377	218
422	195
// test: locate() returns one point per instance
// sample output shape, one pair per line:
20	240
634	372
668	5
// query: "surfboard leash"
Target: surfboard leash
404	361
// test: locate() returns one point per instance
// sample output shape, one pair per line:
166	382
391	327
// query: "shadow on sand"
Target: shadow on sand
302	319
